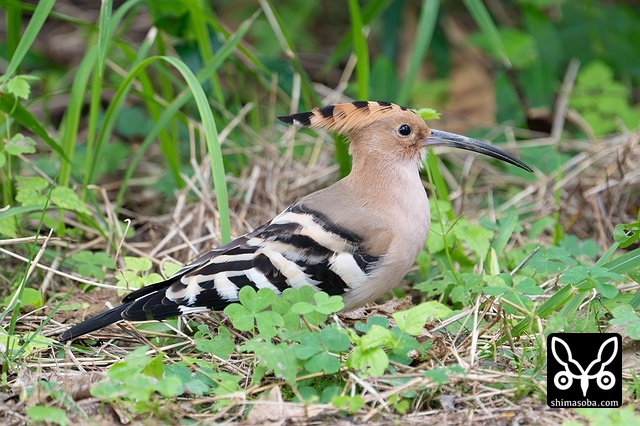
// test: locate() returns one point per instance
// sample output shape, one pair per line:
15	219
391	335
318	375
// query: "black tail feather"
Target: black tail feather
94	323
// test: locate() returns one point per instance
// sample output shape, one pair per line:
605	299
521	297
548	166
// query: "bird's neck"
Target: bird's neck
380	175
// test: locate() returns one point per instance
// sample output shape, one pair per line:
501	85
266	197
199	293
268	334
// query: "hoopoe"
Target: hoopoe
357	238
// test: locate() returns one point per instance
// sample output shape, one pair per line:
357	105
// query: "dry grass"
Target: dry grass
599	187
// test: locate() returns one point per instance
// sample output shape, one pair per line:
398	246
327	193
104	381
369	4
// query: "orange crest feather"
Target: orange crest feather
343	118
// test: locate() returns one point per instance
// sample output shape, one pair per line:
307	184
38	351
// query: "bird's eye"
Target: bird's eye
404	130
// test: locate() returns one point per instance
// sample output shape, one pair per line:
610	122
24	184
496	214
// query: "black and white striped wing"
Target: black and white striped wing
298	247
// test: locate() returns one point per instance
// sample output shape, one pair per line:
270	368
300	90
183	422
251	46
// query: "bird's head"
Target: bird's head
390	131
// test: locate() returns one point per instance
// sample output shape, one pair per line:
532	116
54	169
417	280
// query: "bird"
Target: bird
357	238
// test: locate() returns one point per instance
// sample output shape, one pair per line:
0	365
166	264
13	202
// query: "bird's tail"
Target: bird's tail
94	323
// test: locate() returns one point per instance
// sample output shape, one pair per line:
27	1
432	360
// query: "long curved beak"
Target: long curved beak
440	138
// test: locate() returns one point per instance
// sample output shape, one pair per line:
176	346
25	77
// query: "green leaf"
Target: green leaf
240	316
220	345
476	238
626	234
309	347
609	416
169	269
576	247
29	190
67	199
633	330
371	321
601	100
41	413
36	22
323	362
352	404
335	339
154	368
170	386
372	361
551	260
438	375
425	29
9	227
376	337
20	144
528	286
411	321
140	264
493	42
31	297
326	304
19	86
256	302
607	290
304	294
197	387
279	359
624	314
267	322
303	308
428	113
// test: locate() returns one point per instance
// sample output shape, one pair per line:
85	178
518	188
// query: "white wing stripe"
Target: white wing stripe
225	287
260	280
296	278
315	231
348	269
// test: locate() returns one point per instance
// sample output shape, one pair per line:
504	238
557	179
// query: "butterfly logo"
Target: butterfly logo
564	379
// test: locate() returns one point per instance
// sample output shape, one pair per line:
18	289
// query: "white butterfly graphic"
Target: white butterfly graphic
564	379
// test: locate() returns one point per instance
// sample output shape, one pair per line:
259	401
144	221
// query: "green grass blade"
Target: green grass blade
104	33
13	22
361	50
40	15
635	302
482	17
437	180
198	25
213	145
426	26
71	120
507	226
372	10
608	254
625	263
253	59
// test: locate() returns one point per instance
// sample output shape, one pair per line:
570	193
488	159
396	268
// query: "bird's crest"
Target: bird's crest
343	118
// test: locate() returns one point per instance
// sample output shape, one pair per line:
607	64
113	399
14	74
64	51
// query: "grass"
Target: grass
103	199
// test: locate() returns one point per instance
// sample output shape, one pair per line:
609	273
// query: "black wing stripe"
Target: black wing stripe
329	281
365	261
263	265
215	268
275	230
326	223
305	244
